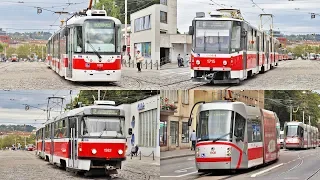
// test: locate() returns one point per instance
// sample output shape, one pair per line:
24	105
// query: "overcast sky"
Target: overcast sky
287	19
24	15
12	106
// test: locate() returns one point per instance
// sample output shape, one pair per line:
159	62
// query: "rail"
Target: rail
146	64
141	155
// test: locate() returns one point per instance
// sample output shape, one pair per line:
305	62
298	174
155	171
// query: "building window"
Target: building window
164	2
147	128
185	132
163	133
143	23
172	95
174	129
185	96
144	48
163	17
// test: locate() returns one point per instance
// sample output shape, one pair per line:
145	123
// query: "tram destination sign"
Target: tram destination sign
114	112
101	24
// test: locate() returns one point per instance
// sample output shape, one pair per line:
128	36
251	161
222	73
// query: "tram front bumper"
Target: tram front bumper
213	165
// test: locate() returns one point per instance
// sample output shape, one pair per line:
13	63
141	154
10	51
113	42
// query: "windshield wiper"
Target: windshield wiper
219	138
105	129
96	52
219	42
205	44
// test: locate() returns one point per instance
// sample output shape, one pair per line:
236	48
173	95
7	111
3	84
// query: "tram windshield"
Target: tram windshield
214	124
102	126
291	130
100	33
214	36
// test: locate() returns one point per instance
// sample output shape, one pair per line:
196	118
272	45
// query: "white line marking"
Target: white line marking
183	170
188	174
266	170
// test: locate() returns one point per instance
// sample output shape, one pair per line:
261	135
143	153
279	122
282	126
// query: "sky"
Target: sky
286	18
23	17
12	106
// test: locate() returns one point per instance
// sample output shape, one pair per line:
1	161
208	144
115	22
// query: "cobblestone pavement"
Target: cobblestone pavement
24	165
289	75
36	75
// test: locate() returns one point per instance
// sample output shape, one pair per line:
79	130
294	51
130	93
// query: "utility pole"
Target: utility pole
98	95
303	116
42	53
291	112
48	110
309	121
126	28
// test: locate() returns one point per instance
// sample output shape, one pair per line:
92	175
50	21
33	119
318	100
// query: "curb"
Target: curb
179	156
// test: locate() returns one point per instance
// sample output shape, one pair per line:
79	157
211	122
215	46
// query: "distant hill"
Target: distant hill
7	128
303	37
30	35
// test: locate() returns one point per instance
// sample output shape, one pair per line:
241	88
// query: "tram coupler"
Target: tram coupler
111	170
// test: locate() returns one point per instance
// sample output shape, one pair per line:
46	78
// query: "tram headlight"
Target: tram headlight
94	151
198	62
120	152
225	62
197	152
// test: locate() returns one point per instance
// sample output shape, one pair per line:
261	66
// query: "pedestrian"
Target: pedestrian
179	60
193	138
139	59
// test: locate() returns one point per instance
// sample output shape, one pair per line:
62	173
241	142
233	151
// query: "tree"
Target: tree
1	47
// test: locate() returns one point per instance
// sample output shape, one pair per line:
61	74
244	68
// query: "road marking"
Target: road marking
191	159
266	170
183	170
180	175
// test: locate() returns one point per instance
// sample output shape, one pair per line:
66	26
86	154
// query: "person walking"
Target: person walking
193	138
179	60
139	59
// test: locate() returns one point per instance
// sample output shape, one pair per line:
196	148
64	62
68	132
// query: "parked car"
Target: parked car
30	147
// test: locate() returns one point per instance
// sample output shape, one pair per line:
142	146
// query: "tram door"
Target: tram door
73	144
239	138
70	52
267	54
51	126
245	47
43	142
258	53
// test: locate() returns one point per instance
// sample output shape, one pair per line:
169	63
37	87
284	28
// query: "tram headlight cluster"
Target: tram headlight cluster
228	152
198	62
197	152
94	151
120	152
225	62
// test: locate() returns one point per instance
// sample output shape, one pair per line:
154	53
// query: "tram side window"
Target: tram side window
256	132
236	38
239	127
78	40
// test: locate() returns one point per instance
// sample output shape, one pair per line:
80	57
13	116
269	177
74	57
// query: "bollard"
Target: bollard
131	155
151	63
153	154
146	64
140	155
129	63
157	65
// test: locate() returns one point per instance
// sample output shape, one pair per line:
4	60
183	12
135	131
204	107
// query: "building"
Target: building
176	106
143	117
4	39
154	33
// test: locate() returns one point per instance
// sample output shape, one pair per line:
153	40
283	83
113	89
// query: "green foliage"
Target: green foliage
8	128
279	102
119	96
116	8
1	47
8	141
24	51
304	49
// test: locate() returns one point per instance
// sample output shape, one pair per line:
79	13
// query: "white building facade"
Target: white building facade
154	33
144	119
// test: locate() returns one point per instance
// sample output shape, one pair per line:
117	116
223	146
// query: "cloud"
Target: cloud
286	17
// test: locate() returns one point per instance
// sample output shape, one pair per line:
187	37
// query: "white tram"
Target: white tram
87	48
227	49
232	135
300	136
87	140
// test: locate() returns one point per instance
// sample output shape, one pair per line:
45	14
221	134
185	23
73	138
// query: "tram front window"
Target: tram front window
212	36
102	126
214	125
291	131
100	33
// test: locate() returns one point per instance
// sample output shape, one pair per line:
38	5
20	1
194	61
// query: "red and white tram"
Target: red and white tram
86	140
87	48
300	136
227	49
232	135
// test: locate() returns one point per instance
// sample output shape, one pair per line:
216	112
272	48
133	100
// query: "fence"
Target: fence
140	155
146	64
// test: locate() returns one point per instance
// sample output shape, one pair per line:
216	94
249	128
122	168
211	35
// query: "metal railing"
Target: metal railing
141	155
145	65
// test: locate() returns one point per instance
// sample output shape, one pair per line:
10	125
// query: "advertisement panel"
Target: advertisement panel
270	136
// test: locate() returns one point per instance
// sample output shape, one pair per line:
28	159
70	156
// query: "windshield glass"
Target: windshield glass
212	36
292	130
214	124
102	126
101	35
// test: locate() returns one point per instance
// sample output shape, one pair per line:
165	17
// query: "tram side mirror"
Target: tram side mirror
190	122
191	30
130	131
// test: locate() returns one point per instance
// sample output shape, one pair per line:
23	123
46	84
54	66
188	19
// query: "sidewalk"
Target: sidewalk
144	160
172	66
176	154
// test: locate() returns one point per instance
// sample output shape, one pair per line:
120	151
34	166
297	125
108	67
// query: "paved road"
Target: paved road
289	75
24	165
292	165
36	75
